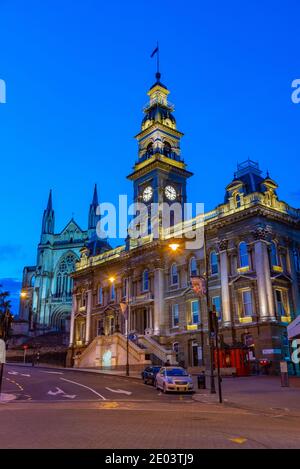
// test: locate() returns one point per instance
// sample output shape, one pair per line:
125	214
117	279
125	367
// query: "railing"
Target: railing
154	102
144	297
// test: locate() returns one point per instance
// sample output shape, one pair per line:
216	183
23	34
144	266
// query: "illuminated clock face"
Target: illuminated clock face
170	192
147	193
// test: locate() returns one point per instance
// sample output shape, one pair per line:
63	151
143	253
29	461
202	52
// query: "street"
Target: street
57	408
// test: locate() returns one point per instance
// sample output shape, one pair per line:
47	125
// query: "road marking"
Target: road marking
12	373
240	441
87	387
53	393
29	376
119	391
109	405
53	372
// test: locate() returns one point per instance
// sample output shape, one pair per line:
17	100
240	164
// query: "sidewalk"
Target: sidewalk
261	393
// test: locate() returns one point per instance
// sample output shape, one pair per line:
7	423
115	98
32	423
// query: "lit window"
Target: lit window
174	274
175	315
243	254
145	280
193	267
237	200
273	254
247	303
214	263
195	311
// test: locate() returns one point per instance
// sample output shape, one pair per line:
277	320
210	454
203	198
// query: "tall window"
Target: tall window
146	280
247	303
274	254
175	315
112	292
237	200
281	310
297	260
216	301
100	296
243	254
214	262
167	149
284	260
195	311
64	283
174	274
193	266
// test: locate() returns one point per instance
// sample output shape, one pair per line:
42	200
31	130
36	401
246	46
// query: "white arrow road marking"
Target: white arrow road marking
69	396
25	375
53	372
83	386
119	391
53	393
12	373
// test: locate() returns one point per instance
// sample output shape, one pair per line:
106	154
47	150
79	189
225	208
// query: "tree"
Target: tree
5	314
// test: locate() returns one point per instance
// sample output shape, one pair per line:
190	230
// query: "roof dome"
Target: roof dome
159	113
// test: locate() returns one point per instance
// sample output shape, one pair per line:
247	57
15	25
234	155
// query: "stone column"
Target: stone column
88	317
262	266
295	285
158	300
224	283
72	322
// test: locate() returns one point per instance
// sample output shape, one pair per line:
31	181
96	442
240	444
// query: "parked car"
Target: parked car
149	374
174	378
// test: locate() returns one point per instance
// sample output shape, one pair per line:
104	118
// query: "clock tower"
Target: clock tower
159	175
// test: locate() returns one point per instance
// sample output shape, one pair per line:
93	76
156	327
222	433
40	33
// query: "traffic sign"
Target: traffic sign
2	351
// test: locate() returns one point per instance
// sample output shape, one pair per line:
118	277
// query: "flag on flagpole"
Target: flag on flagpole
154	52
199	285
124	309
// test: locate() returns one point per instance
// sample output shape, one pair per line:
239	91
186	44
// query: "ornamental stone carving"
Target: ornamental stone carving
262	232
223	245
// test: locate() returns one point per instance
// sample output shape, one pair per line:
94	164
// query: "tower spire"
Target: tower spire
93	217
48	217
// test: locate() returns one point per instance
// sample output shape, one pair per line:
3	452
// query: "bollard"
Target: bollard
284	374
201	381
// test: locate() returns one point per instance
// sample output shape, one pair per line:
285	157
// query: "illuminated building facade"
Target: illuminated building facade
46	296
253	242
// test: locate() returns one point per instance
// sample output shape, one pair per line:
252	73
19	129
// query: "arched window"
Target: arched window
193	266
214	263
32	281
174	274
149	150
146	280
243	254
64	284
237	200
167	149
274	254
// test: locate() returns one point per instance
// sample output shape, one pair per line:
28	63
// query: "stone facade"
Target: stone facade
252	252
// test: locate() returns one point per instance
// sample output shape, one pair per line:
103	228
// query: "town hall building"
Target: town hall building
251	258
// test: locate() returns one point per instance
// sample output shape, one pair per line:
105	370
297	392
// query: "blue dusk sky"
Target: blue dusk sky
77	73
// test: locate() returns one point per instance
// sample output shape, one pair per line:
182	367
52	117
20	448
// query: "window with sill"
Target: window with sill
193	267
243	255
247	303
112	292
214	263
216	301
274	254
174	275
195	312
281	303
100	296
146	280
175	315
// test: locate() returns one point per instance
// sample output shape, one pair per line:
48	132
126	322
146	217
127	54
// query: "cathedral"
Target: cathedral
251	263
46	296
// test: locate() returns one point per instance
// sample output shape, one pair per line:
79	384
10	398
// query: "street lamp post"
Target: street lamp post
127	331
